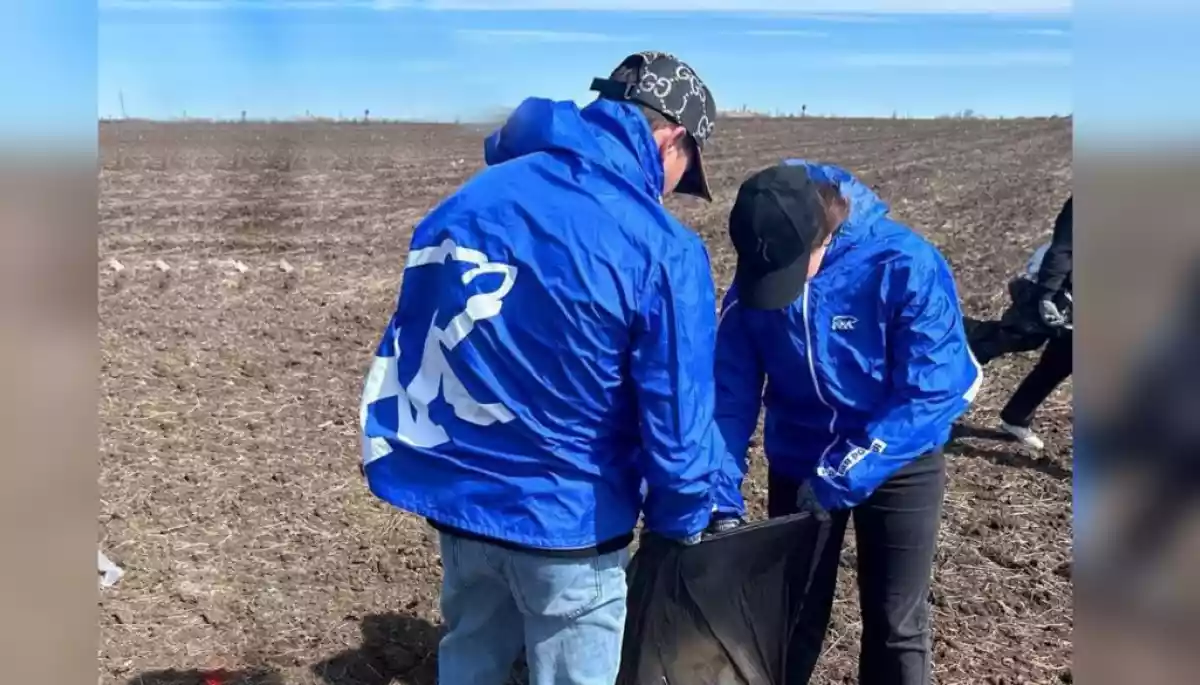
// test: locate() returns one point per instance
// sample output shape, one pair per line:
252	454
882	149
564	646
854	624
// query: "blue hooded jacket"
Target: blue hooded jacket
552	345
865	371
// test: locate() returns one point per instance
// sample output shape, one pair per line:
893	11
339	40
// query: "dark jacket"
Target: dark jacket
1054	276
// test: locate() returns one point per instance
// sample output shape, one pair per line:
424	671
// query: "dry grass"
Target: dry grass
229	399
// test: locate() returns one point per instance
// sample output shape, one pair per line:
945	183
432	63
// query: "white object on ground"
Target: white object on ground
110	573
1024	435
234	264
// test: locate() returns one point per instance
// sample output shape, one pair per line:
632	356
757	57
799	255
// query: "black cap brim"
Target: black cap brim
774	290
695	180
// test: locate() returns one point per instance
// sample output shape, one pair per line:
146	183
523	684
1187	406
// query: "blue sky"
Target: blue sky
450	59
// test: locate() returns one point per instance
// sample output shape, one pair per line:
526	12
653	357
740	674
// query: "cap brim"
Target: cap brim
775	290
695	180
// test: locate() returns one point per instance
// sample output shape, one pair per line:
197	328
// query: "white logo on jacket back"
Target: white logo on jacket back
414	425
844	323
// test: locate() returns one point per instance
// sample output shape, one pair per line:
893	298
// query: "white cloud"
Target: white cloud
537	36
786	33
938	60
1049	33
820	17
844	10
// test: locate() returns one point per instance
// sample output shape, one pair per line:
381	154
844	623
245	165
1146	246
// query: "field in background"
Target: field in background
230	383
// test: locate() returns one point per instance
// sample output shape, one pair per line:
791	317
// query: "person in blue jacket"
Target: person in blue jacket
551	350
853	323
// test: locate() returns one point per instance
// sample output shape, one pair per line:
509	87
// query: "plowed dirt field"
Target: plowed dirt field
230	384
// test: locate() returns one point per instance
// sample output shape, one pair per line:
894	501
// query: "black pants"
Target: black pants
1052	369
896	530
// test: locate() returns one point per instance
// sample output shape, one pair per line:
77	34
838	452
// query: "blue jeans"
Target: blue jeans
568	614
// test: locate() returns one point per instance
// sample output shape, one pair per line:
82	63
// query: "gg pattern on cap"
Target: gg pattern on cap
667	84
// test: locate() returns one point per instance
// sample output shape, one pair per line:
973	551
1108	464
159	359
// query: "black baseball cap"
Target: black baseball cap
667	85
774	226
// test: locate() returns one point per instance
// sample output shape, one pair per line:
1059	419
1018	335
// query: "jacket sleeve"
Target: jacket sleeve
672	370
1056	263
934	380
739	376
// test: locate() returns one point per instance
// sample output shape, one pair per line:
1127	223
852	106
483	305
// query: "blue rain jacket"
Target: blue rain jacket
864	372
552	346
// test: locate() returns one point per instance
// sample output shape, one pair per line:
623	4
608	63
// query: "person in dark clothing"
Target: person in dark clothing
1040	314
1054	367
1041	300
1055	272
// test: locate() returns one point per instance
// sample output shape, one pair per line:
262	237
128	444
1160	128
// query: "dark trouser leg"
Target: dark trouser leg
1052	368
896	530
805	645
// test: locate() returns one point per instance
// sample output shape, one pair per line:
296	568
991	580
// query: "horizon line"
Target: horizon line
729	114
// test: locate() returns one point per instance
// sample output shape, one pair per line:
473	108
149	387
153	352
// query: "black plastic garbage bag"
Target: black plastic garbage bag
720	612
1019	329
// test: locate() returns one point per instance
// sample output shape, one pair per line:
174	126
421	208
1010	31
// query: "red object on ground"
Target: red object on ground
214	677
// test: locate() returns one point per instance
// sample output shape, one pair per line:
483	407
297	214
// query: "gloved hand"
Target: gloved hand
723	524
1050	314
806	500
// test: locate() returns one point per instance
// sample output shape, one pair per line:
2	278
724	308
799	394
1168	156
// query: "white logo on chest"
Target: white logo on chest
844	323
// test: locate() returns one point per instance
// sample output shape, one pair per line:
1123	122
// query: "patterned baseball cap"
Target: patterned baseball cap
667	85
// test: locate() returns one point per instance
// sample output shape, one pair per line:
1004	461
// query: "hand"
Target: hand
1050	314
806	500
723	524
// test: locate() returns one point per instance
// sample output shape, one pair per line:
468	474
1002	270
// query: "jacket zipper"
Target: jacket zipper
812	370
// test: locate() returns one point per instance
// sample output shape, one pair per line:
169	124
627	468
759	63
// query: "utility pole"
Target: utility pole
121	98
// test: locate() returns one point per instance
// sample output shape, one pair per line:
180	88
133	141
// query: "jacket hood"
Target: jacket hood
866	207
607	133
